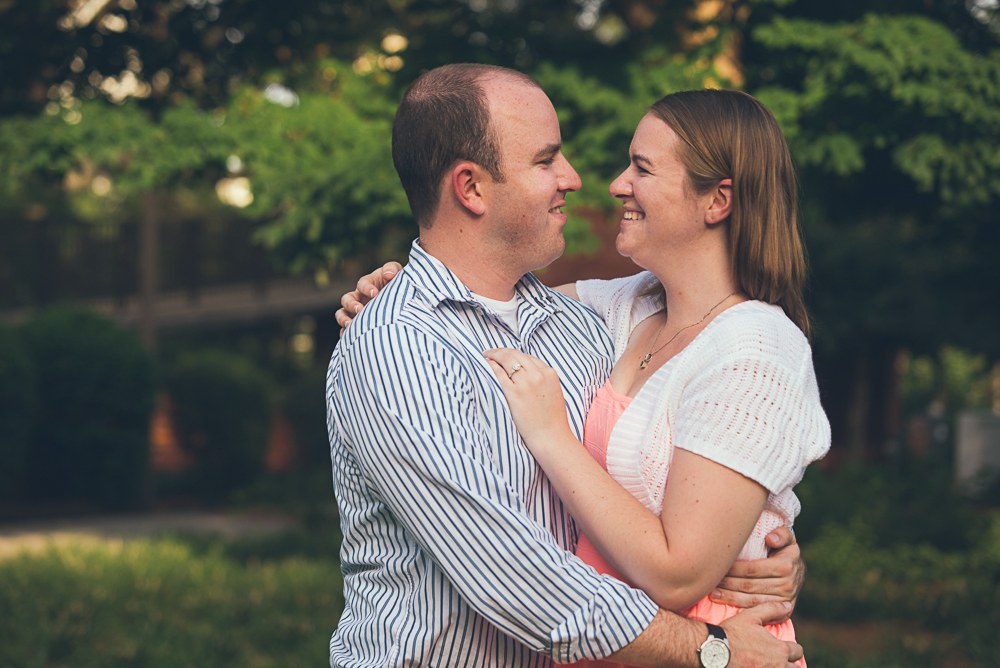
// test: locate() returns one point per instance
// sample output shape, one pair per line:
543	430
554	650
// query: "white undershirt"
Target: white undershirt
506	310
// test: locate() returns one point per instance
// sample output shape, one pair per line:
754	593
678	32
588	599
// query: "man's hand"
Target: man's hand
778	578
368	287
672	640
752	645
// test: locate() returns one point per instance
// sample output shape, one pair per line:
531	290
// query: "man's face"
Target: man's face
526	211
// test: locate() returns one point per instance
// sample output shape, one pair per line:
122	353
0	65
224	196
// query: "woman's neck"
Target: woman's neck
693	283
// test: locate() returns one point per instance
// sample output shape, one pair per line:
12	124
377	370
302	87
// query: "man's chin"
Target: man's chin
557	251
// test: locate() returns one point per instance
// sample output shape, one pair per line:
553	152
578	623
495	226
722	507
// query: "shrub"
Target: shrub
18	405
95	391
222	414
305	407
156	604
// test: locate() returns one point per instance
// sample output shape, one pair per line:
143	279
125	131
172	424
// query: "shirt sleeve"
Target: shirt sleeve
409	414
755	416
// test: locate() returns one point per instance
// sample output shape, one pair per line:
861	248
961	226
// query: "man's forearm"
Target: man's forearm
669	641
673	641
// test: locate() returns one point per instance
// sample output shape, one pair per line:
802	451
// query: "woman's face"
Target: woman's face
661	213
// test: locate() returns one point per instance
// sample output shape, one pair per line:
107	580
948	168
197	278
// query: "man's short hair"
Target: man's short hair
443	119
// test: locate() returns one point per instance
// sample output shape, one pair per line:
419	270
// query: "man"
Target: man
455	547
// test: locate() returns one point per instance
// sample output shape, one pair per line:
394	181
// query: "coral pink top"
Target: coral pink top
608	406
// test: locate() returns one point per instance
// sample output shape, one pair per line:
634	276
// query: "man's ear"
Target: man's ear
467	185
722	202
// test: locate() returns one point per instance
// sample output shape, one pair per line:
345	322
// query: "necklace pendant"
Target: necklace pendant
645	360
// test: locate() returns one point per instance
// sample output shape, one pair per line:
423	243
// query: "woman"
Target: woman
712	410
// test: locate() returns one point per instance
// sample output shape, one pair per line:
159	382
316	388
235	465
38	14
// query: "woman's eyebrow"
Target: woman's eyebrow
639	157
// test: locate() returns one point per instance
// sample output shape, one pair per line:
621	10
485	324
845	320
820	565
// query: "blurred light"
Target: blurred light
235	192
307	324
590	11
234	164
363	65
101	185
302	343
127	5
161	80
52	108
394	43
77	65
478	39
329	74
508	5
73	117
82	14
478	5
128	86
610	30
391	63
114	23
279	94
234	35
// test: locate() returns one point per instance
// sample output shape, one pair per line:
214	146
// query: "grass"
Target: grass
166	603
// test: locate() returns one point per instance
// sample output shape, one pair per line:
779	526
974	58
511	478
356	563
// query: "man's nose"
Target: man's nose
569	180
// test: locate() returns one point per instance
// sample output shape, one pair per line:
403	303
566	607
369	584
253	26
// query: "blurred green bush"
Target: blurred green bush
18	406
158	604
884	544
305	407
95	386
222	414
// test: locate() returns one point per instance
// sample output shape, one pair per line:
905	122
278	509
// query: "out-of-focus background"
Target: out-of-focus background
188	186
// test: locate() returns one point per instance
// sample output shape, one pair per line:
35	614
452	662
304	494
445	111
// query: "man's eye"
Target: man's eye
548	161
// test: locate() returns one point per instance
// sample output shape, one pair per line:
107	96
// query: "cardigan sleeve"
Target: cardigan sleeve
757	416
620	304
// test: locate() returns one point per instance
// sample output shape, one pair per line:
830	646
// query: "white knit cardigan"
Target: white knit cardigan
743	393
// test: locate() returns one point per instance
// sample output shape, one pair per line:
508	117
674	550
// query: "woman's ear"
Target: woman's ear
721	205
467	184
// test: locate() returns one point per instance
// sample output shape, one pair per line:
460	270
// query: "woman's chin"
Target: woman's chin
626	246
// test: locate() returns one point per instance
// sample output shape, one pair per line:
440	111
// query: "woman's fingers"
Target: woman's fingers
501	374
371	284
508	357
368	286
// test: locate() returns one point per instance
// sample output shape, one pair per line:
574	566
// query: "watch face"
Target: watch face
715	654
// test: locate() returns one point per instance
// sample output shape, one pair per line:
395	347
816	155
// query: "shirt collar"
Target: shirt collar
437	283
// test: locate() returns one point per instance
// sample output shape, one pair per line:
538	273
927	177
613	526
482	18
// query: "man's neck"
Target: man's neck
465	258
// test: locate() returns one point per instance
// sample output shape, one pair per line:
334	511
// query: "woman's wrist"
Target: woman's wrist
553	448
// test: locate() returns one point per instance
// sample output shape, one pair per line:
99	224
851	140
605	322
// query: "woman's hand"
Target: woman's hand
368	286
535	399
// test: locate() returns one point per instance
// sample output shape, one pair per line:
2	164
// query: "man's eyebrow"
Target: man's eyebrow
551	149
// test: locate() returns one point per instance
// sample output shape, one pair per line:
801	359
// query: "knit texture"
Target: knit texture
743	394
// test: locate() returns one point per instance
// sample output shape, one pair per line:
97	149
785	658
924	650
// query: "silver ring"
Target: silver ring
514	369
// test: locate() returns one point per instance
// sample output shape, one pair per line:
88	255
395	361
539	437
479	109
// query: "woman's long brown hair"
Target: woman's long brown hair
728	134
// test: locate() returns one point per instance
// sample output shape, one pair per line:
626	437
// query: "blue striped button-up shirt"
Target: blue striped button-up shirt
455	547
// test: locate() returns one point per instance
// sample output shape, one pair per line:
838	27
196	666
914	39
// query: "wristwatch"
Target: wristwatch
714	652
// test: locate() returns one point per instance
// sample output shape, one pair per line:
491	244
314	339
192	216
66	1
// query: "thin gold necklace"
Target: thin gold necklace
649	355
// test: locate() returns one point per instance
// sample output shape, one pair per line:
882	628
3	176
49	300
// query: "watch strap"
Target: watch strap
716	632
